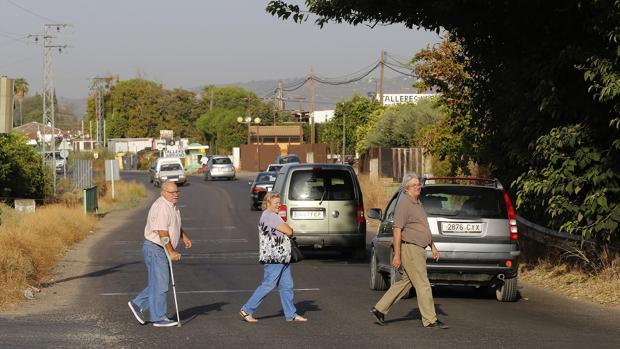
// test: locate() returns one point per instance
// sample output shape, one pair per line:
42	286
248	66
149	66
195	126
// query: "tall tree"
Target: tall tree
349	114
21	88
556	75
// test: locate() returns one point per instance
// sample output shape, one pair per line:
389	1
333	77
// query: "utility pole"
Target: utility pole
344	135
280	96
211	99
312	93
381	82
49	94
381	77
97	87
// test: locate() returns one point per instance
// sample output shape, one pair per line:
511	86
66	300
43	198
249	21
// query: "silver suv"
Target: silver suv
219	167
473	224
323	204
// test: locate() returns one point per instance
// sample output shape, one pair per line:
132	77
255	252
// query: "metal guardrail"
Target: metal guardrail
540	233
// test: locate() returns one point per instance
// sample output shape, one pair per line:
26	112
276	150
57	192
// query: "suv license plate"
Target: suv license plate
453	227
308	214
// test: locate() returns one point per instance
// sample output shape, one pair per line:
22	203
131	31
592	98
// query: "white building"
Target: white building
130	145
321	116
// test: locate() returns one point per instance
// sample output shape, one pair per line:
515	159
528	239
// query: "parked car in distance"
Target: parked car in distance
323	204
287	159
474	227
262	184
219	167
274	167
167	169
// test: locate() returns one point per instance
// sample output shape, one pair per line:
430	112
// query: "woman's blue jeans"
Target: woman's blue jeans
154	296
274	275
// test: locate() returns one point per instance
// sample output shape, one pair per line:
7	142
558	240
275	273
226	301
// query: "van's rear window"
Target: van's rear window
463	202
170	167
314	185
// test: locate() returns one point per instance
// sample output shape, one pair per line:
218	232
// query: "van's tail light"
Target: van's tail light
512	218
282	212
360	214
258	190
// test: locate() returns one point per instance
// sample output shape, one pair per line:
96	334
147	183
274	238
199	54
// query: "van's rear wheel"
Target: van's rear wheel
508	291
377	279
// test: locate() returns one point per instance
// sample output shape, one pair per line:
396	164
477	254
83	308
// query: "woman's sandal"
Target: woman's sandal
247	317
298	318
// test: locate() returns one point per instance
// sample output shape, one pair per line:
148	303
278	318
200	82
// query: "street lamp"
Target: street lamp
248	120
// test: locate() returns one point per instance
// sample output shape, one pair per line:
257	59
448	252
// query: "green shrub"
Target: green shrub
22	172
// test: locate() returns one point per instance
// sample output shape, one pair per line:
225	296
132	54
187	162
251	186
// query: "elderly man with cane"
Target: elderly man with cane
163	231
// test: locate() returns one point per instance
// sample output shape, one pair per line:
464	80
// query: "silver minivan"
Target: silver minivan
323	204
474	227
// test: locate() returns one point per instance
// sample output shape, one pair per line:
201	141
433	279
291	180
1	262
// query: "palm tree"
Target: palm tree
21	89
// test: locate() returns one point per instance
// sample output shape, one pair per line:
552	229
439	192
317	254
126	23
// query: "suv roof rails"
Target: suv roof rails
494	182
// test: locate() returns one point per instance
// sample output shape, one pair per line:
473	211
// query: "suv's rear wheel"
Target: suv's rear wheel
508	291
377	279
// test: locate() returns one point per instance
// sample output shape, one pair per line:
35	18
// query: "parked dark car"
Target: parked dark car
474	227
287	159
262	184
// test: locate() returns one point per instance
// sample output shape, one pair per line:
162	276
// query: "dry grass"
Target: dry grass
375	195
32	244
126	195
602	287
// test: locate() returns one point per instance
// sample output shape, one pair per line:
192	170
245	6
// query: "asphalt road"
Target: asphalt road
86	307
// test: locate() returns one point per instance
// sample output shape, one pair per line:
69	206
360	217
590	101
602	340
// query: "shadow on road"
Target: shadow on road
97	273
190	314
302	308
414	314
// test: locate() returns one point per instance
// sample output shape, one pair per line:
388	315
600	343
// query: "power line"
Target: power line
334	83
396	59
349	76
31	12
396	70
17	39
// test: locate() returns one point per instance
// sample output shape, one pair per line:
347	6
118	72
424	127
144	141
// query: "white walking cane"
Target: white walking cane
165	240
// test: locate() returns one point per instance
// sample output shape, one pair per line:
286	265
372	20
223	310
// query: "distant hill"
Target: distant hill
326	95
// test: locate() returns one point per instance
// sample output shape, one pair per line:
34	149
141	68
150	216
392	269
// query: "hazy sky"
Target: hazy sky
186	43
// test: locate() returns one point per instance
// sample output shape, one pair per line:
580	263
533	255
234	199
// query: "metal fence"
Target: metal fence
81	173
396	162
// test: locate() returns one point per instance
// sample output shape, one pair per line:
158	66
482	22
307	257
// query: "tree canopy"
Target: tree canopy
533	70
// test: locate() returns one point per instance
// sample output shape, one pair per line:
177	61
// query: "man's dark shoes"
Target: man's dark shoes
438	324
137	312
378	315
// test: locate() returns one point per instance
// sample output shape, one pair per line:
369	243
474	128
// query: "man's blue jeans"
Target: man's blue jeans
154	296
274	275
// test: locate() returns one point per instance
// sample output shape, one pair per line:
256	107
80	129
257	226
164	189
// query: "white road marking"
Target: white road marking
216	255
205	241
226	227
203	291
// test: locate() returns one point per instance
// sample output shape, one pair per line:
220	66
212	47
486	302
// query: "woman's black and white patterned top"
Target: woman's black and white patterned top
274	245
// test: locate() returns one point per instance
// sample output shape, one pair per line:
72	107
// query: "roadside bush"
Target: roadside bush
22	173
575	186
